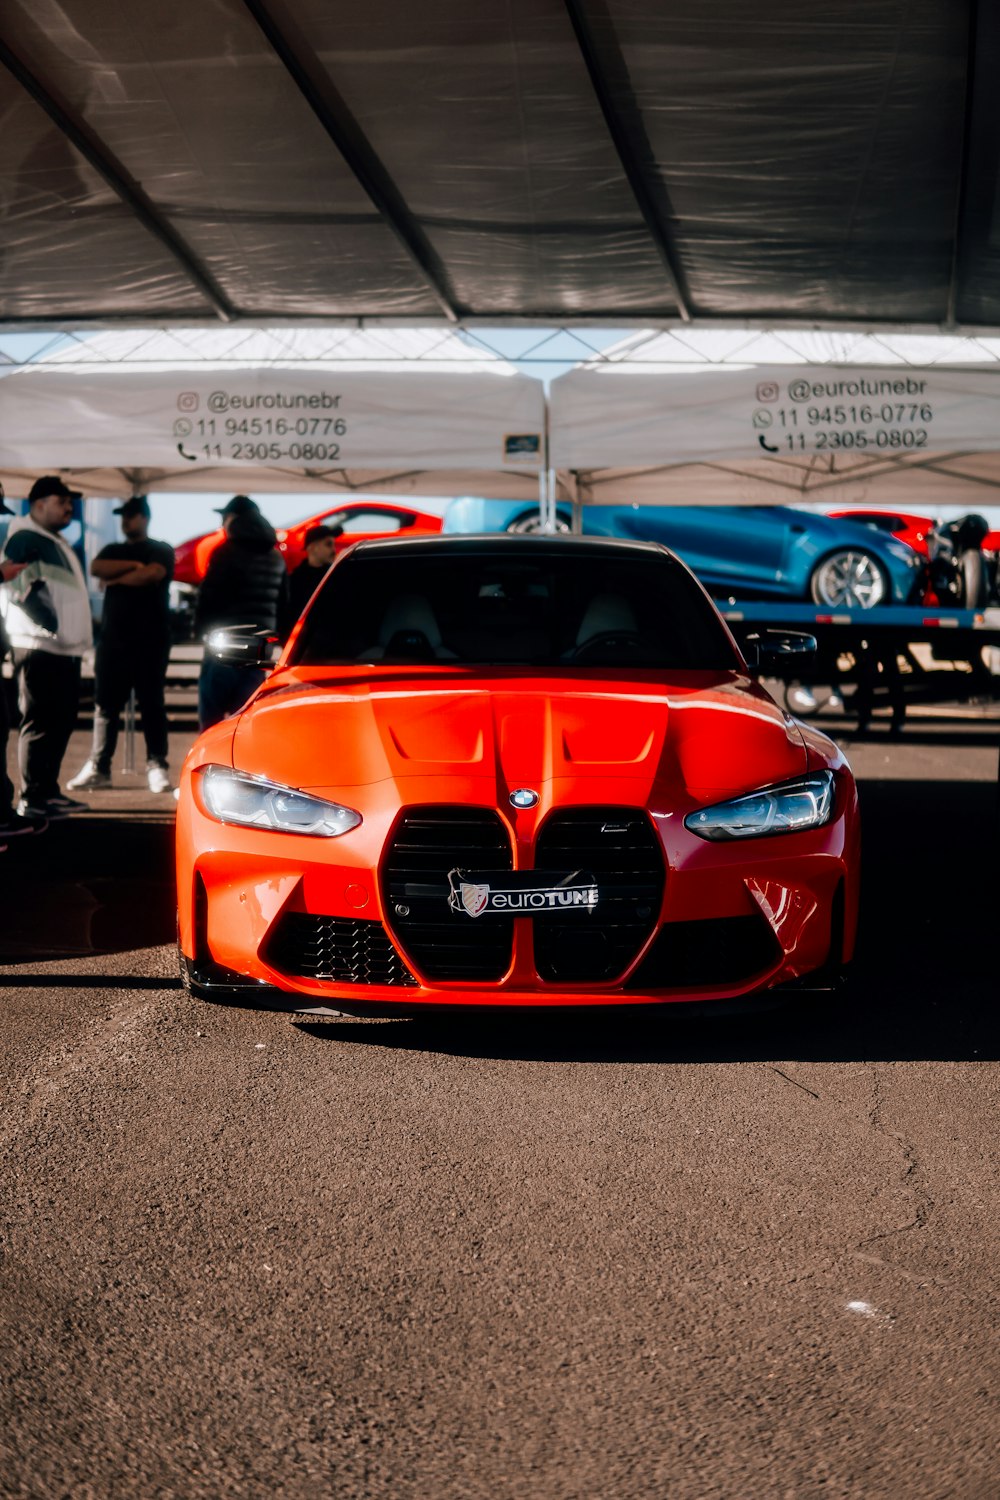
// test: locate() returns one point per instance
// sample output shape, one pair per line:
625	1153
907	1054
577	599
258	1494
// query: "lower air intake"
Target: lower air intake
715	951
343	950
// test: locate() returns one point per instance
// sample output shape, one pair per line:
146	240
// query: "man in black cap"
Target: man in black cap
133	647
303	581
245	583
47	616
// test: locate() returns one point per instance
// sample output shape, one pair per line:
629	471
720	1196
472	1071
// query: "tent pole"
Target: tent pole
572	484
546	507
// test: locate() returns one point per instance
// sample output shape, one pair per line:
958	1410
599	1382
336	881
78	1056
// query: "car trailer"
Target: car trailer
874	652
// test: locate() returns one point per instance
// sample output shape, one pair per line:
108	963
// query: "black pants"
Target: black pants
120	667
6	785
48	690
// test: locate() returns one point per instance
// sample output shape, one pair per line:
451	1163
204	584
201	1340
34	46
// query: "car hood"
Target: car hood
708	735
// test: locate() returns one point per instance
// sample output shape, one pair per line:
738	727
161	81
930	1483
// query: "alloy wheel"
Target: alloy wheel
850	579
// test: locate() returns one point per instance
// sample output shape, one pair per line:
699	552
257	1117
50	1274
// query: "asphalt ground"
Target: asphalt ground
243	1255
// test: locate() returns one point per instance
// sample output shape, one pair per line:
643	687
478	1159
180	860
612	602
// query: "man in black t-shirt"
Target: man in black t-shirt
133	647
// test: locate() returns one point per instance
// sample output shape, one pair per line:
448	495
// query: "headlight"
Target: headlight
234	797
789	808
904	553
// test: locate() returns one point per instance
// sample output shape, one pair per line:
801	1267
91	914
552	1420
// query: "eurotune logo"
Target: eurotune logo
476	897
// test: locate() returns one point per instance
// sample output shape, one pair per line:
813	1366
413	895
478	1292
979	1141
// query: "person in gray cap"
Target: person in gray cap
47	616
133	647
245	583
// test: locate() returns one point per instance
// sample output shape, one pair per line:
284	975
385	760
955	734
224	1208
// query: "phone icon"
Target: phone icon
192	458
770	447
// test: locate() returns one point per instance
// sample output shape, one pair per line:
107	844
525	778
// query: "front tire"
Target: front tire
850	578
205	980
530	524
187	973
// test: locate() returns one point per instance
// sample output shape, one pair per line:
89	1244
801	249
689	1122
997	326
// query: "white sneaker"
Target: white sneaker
89	779
158	779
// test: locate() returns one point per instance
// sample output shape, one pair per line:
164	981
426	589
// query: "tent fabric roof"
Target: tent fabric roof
557	161
704	416
392	411
662	417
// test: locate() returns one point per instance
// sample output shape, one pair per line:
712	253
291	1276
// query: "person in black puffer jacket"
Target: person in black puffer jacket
246	583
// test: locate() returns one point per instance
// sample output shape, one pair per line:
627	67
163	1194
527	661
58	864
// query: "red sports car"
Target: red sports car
359	521
906	527
964	577
511	771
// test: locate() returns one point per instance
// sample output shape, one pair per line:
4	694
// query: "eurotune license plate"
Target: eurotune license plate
521	893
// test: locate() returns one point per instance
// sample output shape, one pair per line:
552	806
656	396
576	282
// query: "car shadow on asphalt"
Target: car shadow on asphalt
923	985
30	981
816	1030
90	884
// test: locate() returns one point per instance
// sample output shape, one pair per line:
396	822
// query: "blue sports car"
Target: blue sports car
768	551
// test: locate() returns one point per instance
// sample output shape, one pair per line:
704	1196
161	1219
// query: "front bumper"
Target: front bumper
320	918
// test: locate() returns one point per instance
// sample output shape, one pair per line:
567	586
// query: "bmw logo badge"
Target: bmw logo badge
523	798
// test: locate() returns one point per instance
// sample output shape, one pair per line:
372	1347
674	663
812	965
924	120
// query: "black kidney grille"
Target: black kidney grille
343	949
619	847
714	951
427	844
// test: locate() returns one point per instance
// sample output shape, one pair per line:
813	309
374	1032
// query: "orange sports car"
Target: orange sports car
511	771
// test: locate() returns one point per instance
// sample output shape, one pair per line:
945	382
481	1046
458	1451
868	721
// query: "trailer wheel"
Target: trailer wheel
849	579
801	700
973	579
805	700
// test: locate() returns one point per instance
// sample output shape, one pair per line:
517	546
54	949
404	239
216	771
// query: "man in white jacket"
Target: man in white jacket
11	823
47	615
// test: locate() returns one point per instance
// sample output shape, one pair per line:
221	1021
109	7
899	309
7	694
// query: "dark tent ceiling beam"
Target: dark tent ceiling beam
79	134
611	83
323	98
951	311
980	159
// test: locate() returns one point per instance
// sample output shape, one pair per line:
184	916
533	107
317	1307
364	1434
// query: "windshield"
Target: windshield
487	610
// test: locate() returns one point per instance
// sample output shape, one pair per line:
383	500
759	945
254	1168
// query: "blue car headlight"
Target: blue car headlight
234	797
791	807
906	554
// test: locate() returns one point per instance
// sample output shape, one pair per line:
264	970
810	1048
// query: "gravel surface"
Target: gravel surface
243	1255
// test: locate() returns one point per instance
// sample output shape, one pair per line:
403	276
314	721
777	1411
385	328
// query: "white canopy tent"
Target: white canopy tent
705	417
690	416
414	412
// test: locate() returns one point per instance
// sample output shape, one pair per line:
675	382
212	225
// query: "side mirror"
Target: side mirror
243	646
776	652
